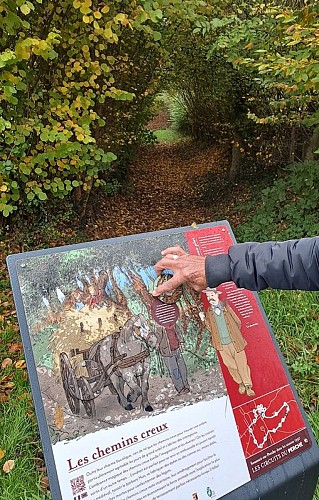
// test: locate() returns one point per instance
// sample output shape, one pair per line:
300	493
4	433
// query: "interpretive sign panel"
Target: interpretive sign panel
145	398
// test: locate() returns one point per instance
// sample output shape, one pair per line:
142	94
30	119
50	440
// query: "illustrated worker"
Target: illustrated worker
170	343
228	340
170	348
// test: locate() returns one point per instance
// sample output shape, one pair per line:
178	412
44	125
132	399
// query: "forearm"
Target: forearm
287	265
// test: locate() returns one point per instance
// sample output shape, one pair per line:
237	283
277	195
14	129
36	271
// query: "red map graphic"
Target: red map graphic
268	420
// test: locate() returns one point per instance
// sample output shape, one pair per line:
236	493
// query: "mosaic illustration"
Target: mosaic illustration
107	351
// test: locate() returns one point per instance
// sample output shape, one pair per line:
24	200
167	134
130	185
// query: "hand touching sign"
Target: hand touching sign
187	268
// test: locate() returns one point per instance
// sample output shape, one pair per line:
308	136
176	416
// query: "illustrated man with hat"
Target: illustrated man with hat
228	340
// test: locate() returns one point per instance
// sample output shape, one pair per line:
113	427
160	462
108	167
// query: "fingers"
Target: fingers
167	286
174	251
166	263
170	259
186	268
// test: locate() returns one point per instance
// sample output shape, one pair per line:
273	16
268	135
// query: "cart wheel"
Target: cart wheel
70	384
87	397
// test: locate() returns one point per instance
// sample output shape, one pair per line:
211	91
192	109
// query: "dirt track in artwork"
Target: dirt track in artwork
162	396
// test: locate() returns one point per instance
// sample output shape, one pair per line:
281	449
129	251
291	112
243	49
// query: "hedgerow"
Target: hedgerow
77	78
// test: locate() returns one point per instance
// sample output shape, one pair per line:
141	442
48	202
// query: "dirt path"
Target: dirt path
162	395
168	186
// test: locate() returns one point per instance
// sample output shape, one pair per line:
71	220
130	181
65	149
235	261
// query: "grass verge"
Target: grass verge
20	441
294	318
168	135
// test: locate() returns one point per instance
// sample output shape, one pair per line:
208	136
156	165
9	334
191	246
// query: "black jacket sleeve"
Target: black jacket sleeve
286	265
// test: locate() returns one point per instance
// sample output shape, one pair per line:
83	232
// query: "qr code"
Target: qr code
78	485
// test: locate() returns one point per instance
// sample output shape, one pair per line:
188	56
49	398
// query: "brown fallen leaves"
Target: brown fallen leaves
41	468
6	382
6	385
166	182
19	365
44	483
59	418
6	362
15	347
8	466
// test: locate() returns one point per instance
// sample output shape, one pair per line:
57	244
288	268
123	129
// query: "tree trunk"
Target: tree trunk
292	145
81	198
235	156
313	146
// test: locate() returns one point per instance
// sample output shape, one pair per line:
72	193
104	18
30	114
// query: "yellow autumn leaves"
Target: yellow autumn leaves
26	8
90	16
85	6
73	99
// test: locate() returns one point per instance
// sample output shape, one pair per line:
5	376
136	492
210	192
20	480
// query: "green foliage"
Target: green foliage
179	116
279	46
54	172
160	102
168	135
206	100
223	97
287	209
77	79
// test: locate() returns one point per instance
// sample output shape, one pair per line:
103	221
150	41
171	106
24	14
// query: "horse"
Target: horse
125	359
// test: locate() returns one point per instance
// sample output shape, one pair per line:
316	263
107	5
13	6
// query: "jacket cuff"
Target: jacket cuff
217	269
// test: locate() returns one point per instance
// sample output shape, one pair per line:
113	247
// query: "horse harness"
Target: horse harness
120	361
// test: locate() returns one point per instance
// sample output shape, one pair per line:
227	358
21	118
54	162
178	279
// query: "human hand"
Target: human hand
189	269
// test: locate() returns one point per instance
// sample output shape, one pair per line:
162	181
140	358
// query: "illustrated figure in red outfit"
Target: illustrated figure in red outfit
170	343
